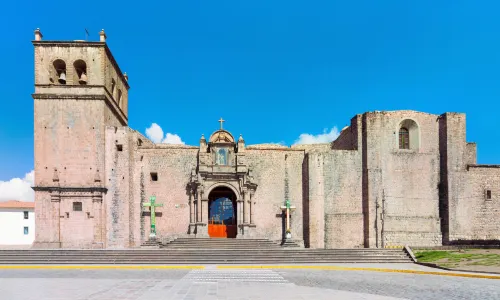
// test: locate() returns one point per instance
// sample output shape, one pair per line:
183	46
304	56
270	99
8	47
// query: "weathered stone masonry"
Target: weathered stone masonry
365	189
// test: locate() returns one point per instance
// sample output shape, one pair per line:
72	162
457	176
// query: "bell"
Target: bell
83	78
62	77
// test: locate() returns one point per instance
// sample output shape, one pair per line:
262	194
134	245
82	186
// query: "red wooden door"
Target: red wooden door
222	218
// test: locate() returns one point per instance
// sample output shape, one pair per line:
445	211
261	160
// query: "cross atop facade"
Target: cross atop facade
221	121
152	206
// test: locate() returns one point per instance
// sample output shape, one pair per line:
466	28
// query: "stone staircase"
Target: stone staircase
206	251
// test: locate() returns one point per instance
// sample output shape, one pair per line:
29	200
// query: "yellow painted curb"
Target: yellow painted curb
333	268
96	267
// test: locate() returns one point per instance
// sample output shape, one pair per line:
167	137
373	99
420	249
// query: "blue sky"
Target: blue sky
273	69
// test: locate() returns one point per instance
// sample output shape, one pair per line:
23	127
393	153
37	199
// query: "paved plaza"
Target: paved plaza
220	282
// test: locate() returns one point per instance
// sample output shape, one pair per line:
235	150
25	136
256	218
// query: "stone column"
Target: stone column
55	201
198	207
246	209
204	210
98	224
252	209
239	210
191	208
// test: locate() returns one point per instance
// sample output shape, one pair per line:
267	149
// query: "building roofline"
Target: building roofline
17	204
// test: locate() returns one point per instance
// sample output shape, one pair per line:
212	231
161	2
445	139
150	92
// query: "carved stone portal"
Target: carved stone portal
222	166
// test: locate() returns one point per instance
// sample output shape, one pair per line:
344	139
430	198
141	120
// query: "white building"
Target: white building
17	223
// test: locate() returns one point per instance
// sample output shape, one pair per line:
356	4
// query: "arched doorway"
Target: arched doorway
222	213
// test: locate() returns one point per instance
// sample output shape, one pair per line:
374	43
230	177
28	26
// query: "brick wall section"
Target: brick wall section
478	218
173	164
471	152
349	137
403	184
467	214
343	199
268	166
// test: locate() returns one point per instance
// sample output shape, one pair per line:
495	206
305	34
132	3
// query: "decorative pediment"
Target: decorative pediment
221	136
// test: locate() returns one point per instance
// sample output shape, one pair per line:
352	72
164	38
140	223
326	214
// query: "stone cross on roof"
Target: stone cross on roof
221	121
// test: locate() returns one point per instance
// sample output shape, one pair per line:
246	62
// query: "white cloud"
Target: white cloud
18	189
155	134
171	138
325	137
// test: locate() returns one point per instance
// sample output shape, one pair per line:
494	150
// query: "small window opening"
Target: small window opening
81	71
26	215
488	194
113	86
154	176
119	100
139	142
77	206
26	230
60	71
119	147
404	138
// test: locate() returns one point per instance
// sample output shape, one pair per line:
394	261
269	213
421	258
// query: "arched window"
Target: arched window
222	157
80	71
59	71
404	138
409	135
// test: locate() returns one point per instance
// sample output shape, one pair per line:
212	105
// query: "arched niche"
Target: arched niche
408	137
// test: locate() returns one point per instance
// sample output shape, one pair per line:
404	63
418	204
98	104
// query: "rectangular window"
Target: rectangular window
119	147
77	206
26	215
488	194
26	230
154	176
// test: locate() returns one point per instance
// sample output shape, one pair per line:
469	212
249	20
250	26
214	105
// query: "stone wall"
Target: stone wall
401	192
269	167
477	218
468	216
173	165
343	199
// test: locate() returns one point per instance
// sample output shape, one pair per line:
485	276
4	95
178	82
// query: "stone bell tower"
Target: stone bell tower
79	90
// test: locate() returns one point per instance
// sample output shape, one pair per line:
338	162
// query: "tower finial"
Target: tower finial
102	36
38	35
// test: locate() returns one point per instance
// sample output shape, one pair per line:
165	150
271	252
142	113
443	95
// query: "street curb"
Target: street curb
333	268
431	265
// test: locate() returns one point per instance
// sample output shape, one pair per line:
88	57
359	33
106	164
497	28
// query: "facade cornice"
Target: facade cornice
108	99
70	189
483	166
68	96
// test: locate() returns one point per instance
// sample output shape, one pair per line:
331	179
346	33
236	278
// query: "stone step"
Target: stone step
200	262
205	252
204	257
192	260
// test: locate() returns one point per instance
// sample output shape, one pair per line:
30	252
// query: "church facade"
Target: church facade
390	179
